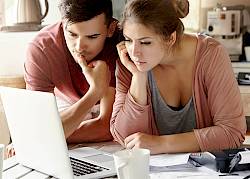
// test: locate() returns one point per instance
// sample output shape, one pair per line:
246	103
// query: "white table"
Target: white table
16	171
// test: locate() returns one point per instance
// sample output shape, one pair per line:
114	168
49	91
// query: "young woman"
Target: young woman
175	92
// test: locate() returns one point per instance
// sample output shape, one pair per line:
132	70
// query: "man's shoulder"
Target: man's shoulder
47	47
51	34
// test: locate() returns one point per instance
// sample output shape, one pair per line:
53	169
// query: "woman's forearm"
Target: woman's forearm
138	88
178	143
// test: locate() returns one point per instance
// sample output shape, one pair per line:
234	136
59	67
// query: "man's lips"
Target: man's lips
80	55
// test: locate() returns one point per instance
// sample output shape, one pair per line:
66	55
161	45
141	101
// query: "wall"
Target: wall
2	12
8	9
12	54
118	6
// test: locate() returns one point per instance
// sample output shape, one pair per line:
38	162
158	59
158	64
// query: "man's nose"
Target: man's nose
80	45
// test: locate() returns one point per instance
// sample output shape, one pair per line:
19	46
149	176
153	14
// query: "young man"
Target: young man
75	60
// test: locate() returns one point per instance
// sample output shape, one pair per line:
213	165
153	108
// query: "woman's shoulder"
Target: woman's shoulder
210	52
208	47
207	43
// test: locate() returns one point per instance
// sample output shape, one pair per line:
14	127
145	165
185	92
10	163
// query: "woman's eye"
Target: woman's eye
145	43
127	41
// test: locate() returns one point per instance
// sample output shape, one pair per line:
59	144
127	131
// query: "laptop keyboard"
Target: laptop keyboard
83	168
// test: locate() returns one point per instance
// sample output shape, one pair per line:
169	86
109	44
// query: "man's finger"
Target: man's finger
83	64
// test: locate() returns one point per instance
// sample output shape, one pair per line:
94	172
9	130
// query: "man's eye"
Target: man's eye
145	43
71	34
92	37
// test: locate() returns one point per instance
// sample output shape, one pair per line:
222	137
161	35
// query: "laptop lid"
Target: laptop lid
36	131
39	141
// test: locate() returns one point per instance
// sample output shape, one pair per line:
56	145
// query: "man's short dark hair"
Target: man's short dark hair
74	11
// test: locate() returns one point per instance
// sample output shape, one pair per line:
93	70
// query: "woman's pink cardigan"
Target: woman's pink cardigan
220	118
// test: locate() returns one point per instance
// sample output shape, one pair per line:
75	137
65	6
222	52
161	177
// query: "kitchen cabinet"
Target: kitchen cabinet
244	89
245	95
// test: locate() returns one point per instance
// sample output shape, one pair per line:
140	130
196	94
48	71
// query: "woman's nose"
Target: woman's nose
136	50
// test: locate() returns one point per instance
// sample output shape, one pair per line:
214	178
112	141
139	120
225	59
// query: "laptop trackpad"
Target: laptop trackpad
91	154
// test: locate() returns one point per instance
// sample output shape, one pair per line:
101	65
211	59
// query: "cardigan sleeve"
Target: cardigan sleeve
218	98
128	117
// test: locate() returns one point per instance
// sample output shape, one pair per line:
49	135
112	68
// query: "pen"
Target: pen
234	162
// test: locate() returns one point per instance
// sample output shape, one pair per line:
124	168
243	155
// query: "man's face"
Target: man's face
86	39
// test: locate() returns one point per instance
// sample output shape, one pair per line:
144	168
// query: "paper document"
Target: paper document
169	159
170	163
245	157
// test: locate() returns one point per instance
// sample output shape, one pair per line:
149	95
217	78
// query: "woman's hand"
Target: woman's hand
125	59
138	87
142	140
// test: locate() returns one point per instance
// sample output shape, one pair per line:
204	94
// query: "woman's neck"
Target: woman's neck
181	54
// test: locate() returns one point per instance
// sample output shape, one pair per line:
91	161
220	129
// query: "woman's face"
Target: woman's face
145	48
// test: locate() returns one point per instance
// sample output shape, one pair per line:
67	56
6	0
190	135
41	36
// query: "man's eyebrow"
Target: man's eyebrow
92	35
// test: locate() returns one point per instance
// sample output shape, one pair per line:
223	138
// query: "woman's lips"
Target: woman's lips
139	62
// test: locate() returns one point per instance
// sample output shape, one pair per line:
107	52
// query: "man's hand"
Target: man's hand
97	75
10	151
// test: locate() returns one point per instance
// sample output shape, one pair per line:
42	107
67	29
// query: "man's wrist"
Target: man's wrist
95	93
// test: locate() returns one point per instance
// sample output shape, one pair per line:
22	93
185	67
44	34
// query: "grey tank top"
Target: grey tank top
169	121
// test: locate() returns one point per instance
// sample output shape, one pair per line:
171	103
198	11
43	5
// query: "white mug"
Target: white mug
1	159
132	164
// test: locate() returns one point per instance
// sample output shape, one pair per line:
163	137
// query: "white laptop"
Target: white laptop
39	140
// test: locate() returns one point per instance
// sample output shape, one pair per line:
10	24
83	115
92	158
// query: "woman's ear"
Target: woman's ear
111	28
172	39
